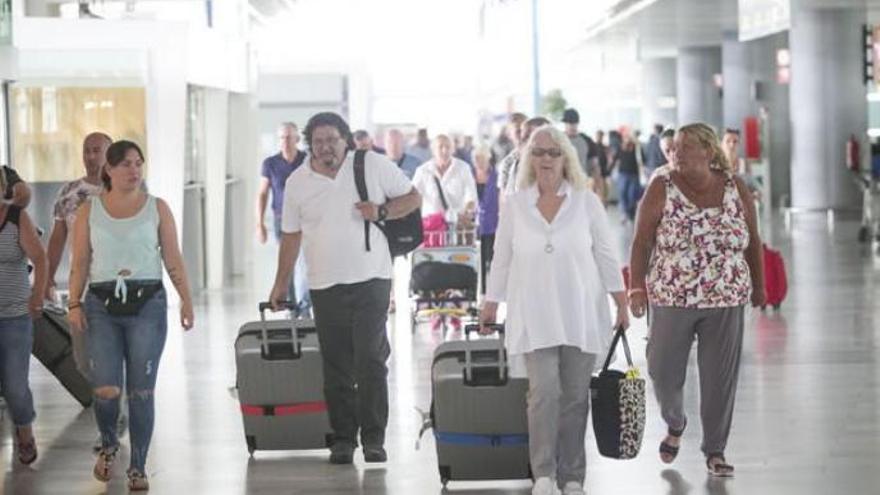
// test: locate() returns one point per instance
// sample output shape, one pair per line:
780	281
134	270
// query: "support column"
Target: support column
216	142
737	74
698	98
827	104
658	92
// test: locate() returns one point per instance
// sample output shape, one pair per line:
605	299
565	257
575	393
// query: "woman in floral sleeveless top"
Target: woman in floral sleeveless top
696	260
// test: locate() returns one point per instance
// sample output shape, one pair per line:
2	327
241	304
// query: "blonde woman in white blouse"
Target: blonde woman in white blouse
555	265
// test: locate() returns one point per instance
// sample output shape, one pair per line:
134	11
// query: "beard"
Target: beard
330	162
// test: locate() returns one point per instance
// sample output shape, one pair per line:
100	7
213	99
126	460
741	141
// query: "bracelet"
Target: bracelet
73	306
635	291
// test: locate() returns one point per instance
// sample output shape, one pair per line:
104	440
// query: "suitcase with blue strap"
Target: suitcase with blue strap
478	411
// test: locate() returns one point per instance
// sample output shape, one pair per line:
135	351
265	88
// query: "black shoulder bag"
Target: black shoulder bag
403	234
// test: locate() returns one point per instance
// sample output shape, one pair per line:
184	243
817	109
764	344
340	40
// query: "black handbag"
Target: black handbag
403	234
618	403
138	293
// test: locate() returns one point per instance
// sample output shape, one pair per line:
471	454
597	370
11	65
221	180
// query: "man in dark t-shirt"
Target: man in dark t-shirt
275	171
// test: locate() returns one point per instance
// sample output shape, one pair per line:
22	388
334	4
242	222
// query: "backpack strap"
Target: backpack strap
360	183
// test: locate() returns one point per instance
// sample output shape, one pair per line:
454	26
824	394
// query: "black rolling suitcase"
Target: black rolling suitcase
53	346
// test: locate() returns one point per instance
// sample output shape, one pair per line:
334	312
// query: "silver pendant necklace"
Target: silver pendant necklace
548	247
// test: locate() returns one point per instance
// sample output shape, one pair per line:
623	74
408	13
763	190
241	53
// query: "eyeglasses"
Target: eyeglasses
320	143
551	152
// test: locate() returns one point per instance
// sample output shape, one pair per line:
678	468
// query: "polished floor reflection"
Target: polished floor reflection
806	420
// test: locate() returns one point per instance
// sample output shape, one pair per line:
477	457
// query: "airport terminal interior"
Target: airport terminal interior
213	90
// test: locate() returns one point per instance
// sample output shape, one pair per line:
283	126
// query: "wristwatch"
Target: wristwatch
383	213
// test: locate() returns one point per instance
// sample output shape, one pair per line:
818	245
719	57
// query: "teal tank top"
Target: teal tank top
124	248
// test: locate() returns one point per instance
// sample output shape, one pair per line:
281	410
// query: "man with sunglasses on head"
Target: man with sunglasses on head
584	146
349	276
508	168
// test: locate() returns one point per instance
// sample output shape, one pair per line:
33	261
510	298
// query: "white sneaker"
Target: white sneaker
573	488
545	486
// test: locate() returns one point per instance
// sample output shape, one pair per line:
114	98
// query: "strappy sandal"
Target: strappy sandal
104	464
27	451
720	468
137	481
668	451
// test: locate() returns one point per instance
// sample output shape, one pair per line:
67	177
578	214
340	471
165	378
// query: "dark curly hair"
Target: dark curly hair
329	119
115	155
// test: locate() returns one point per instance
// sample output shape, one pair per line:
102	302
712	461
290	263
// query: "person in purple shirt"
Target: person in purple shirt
276	169
487	207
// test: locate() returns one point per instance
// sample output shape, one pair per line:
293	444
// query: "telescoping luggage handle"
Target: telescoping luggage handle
500	365
281	348
619	335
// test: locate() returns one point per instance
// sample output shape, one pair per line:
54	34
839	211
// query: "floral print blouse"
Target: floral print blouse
698	259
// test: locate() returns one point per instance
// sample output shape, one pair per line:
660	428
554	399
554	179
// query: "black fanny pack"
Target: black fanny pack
137	294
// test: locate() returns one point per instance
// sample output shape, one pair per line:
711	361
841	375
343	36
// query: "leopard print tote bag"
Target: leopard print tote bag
618	403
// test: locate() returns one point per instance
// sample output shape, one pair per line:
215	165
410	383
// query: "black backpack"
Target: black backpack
403	234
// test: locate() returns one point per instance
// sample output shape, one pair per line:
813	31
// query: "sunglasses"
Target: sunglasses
551	152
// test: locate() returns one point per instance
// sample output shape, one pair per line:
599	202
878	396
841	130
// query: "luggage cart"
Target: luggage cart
444	281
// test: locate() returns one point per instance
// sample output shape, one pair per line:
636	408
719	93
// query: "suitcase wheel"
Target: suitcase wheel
776	307
445	475
863	234
251	444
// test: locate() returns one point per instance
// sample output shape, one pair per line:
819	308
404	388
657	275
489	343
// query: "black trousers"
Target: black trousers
487	251
350	319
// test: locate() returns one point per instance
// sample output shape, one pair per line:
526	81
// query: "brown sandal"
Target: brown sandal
668	449
720	468
27	451
104	464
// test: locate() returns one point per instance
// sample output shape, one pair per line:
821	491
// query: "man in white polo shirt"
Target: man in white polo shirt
349	282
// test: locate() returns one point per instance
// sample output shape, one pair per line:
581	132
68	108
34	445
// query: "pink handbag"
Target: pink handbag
434	230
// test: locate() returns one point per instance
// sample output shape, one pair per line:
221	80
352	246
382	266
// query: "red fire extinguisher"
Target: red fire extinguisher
853	154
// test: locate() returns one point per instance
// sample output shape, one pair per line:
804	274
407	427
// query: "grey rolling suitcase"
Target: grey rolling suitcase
478	412
53	346
280	385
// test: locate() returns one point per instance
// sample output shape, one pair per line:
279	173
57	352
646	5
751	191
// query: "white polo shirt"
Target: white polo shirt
459	187
333	229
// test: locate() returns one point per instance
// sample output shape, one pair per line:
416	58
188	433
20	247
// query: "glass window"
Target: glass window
50	122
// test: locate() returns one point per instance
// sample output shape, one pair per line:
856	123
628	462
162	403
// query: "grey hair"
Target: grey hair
571	167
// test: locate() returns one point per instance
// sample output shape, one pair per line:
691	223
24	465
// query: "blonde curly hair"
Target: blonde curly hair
705	135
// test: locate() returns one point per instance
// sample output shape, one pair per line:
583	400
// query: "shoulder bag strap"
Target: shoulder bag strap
442	196
619	334
360	183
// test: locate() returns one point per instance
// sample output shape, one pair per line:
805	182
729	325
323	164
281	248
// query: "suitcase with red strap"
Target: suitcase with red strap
775	280
280	385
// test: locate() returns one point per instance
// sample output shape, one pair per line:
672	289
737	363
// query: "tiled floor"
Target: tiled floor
806	421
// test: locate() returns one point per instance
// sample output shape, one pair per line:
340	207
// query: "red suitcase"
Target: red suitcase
775	281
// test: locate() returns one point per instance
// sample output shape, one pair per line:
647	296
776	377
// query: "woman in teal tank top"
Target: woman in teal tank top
121	239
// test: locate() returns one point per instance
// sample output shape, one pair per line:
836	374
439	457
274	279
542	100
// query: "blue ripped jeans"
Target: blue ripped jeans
16	341
135	343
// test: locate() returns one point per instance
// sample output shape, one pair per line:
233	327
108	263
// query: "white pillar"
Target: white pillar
827	104
216	142
699	100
